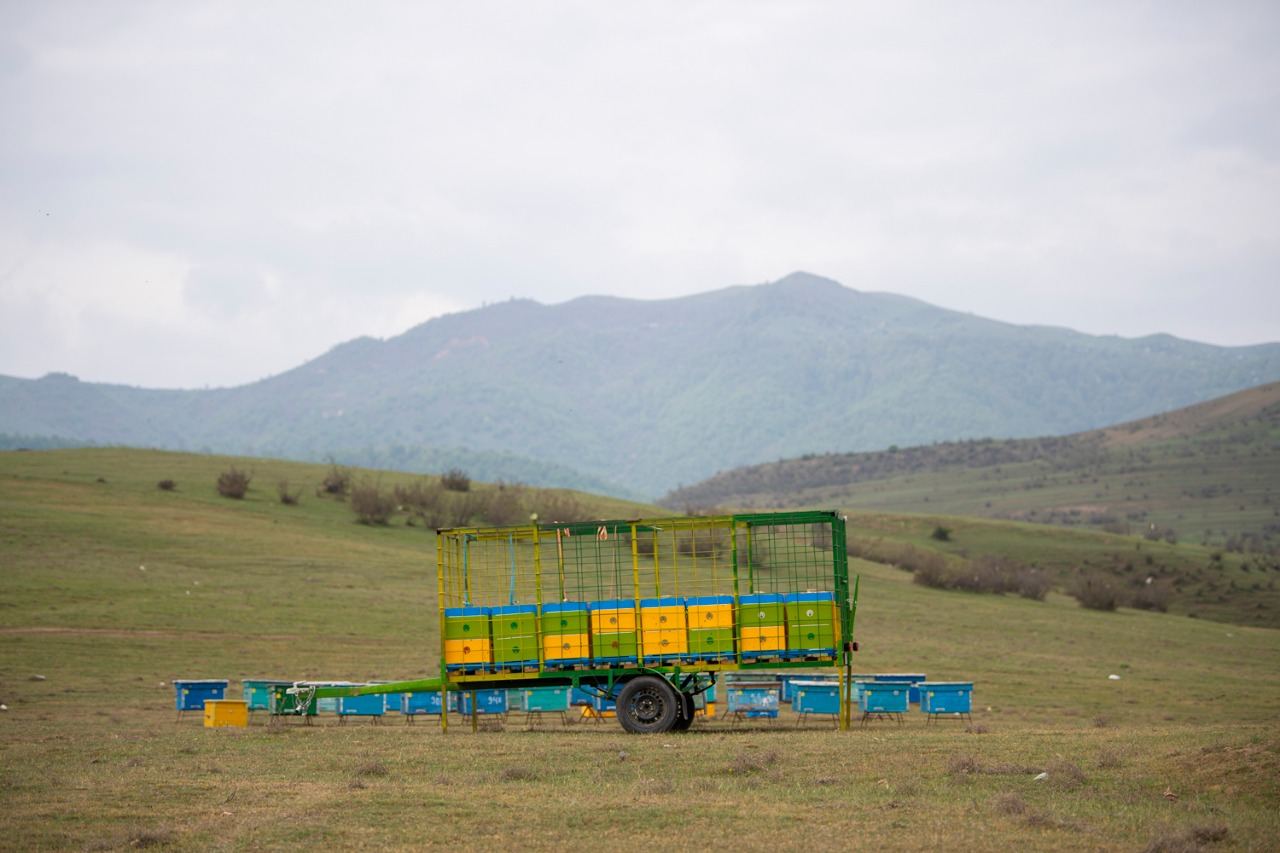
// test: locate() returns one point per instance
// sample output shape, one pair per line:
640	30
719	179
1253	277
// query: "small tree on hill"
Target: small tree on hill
456	480
371	505
337	482
233	483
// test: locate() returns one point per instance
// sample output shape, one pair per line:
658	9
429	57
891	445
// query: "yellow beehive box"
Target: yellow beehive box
613	620
225	712
472	651
662	618
768	638
566	647
711	615
663	643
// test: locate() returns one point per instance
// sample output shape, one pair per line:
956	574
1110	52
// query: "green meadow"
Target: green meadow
110	588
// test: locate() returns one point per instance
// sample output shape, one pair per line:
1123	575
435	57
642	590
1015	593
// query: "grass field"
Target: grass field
109	590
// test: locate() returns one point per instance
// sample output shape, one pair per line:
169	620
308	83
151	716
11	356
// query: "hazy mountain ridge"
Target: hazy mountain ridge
645	395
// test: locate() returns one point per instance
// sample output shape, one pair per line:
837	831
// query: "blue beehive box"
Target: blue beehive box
884	697
425	702
190	694
544	699
912	678
256	692
946	697
580	696
754	699
789	682
373	705
815	697
486	701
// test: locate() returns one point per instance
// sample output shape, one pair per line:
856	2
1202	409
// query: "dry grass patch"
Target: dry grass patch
1190	840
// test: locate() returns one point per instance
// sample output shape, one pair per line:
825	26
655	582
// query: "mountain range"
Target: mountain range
637	397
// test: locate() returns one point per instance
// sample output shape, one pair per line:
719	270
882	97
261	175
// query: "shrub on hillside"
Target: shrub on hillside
166	485
233	483
506	506
336	482
942	534
455	480
287	497
1032	583
422	500
371	505
551	505
1152	595
1096	592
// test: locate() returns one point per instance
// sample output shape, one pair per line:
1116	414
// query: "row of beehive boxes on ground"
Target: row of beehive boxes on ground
208	696
800	625
884	693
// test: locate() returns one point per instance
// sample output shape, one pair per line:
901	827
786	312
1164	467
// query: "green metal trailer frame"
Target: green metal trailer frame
740	555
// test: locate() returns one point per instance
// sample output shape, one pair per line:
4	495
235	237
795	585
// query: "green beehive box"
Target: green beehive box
566	618
810	621
711	642
515	640
466	623
283	702
614	647
762	610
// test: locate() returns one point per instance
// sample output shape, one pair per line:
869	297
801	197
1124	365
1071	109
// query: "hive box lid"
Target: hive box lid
565	607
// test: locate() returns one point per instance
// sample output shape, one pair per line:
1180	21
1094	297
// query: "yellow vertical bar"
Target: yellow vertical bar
444	666
635	579
560	561
657	582
537	586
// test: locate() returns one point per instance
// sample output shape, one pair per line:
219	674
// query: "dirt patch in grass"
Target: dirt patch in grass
134	839
747	763
1190	840
1009	803
1065	776
517	774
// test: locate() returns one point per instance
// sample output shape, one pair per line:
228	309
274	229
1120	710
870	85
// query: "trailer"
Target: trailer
645	612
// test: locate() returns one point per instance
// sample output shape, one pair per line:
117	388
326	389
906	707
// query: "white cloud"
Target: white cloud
315	173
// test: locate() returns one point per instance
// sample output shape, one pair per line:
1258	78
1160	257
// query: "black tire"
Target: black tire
648	705
686	714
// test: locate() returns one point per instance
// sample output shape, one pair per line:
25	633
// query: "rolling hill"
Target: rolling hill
637	397
1207	473
1112	731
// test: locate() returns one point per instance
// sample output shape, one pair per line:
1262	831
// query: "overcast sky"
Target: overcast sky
207	193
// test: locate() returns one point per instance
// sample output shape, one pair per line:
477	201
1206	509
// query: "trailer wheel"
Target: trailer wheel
686	714
648	705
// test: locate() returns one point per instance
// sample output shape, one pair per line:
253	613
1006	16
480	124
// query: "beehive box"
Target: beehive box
485	701
468	646
425	702
545	699
372	705
710	619
914	679
614	638
664	629
514	632
815	697
284	702
811	624
946	697
225	712
763	624
565	634
191	694
754	699
256	692
884	697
